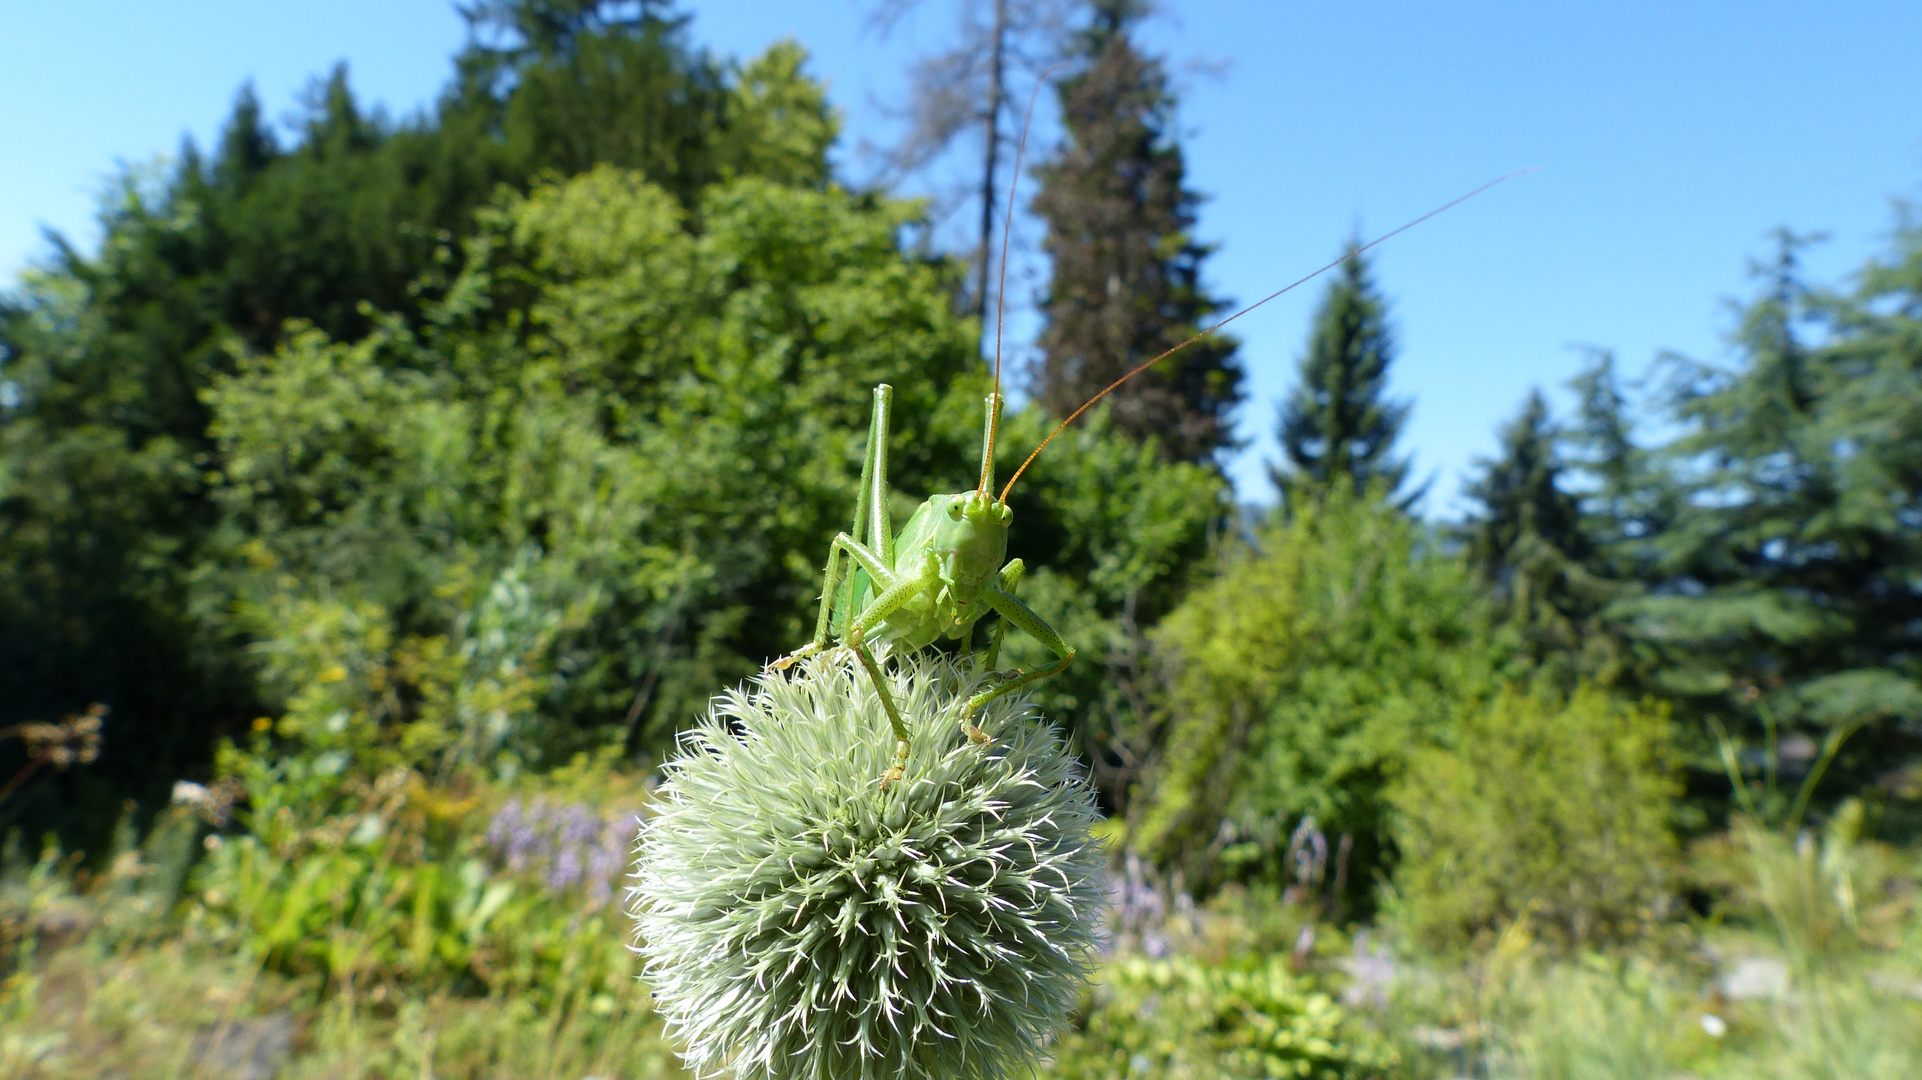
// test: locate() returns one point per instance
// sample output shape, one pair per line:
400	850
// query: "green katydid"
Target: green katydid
936	580
944	572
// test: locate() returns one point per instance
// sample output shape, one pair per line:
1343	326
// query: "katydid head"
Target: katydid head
966	535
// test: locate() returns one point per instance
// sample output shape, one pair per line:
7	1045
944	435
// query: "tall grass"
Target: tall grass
1836	912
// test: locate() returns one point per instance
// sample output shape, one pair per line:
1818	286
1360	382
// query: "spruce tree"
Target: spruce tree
1339	423
1525	538
1126	282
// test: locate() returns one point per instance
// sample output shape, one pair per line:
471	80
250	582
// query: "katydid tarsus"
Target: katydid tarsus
944	572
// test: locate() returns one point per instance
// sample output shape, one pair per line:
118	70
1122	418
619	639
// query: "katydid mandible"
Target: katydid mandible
940	576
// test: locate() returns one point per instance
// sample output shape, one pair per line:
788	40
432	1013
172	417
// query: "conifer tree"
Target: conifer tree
1525	536
1628	501
1126	281
247	145
1339	423
1775	538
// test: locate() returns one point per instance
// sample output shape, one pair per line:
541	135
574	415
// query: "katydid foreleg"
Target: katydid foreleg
892	598
1001	598
1009	577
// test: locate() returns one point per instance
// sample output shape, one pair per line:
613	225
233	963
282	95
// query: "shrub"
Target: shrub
1303	676
1554	810
1183	1019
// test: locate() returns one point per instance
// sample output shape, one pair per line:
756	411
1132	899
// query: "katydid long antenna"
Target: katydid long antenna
1351	253
1001	289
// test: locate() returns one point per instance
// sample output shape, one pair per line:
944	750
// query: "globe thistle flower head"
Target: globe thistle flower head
801	922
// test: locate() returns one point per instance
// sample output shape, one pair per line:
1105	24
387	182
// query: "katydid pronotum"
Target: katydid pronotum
944	572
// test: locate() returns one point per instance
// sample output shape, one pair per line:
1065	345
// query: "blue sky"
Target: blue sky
1672	138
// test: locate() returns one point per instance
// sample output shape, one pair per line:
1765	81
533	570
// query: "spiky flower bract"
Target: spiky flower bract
801	922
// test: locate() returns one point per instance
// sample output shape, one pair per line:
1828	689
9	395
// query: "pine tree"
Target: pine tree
1126	282
1338	423
1525	538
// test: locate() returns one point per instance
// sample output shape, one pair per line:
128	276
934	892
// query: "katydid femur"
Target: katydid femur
944	572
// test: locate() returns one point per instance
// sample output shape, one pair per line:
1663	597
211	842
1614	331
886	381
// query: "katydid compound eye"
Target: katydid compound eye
954	510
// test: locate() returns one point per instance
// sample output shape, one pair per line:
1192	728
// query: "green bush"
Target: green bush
1547	809
1181	1019
1303	676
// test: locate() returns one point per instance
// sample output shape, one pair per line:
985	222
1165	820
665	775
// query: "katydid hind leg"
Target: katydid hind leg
872	526
831	579
880	534
874	477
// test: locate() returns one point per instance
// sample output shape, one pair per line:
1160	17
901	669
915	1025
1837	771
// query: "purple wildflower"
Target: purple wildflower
567	847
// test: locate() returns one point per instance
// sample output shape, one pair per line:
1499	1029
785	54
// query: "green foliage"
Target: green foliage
1526	542
612	443
1183	1019
111	483
1777	587
362	856
1113	533
1833	901
359	881
1551	811
1598	1019
1829	911
1305	676
780	125
95	999
1338	426
801	920
1126	268
1828	898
